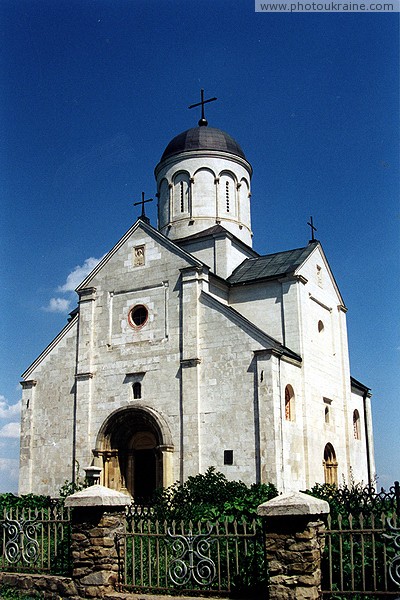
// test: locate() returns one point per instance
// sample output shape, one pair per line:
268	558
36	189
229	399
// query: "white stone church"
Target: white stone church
190	350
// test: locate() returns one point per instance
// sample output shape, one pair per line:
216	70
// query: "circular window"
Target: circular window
138	316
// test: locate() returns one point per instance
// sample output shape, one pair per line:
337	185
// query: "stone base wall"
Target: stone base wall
51	587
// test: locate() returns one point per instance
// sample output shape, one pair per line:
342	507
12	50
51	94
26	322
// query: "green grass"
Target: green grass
8	593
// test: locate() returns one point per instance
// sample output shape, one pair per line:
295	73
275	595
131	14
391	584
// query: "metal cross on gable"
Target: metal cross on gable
313	229
143	202
203	121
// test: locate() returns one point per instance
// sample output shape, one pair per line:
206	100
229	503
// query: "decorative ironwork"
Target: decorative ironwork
368	499
192	562
394	566
21	545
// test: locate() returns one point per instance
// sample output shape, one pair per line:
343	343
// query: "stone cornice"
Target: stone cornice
83	376
190	362
87	294
29	384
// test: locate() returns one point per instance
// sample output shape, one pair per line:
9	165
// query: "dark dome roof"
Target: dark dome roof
203	138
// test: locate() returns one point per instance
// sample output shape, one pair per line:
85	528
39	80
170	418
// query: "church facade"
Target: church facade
189	350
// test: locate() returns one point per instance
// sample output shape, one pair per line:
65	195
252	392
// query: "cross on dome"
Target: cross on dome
203	121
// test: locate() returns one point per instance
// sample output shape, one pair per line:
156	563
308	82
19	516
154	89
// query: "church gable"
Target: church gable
320	280
130	254
132	287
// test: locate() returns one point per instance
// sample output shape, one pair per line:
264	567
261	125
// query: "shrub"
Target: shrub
211	497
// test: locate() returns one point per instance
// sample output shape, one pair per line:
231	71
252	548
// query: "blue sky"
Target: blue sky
92	92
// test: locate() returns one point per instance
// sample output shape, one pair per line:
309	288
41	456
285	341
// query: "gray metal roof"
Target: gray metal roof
271	265
203	138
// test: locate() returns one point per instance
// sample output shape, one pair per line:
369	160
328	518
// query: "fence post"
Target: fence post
97	516
295	539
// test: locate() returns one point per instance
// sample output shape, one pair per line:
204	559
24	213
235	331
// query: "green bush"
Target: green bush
29	501
211	497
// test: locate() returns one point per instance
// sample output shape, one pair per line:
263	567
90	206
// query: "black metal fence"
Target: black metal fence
186	557
34	541
362	550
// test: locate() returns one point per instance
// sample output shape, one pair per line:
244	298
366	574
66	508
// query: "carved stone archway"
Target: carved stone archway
134	448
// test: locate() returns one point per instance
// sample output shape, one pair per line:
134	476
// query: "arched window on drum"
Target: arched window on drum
164	215
181	194
227	195
244	201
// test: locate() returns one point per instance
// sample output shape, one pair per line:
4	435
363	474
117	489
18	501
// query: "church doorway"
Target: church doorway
132	452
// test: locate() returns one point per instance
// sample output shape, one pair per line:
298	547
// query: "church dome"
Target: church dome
202	138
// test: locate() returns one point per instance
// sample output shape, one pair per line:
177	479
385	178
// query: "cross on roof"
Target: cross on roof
203	121
143	202
313	229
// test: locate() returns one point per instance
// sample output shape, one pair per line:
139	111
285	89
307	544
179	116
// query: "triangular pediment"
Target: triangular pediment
289	263
152	233
318	250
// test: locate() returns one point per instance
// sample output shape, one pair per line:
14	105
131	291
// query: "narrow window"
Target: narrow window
289	403
356	425
182	197
330	465
320	326
327	412
319	275
227	195
228	457
137	390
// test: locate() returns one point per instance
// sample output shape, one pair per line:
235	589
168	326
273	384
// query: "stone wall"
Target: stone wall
50	587
294	545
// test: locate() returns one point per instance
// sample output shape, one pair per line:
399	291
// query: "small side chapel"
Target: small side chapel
188	349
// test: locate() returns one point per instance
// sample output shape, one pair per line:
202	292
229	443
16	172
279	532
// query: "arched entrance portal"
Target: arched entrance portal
134	450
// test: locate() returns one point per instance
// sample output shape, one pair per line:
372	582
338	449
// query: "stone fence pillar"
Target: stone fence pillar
295	539
97	515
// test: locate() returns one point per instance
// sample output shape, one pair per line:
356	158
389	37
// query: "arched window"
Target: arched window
137	390
320	326
330	465
356	425
289	403
227	195
182	196
181	193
